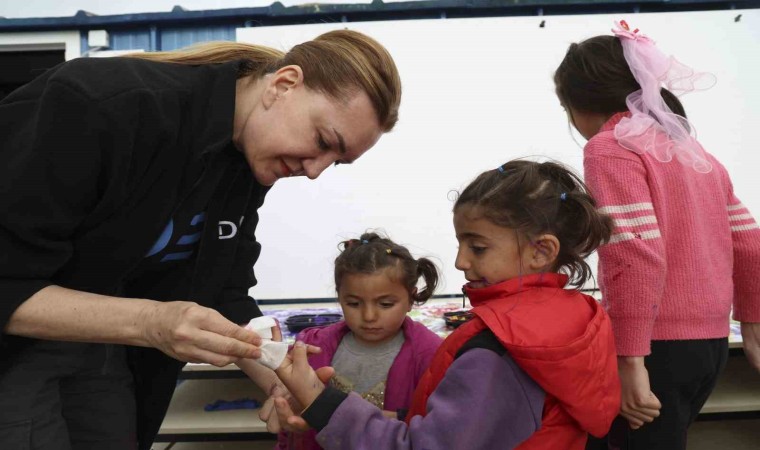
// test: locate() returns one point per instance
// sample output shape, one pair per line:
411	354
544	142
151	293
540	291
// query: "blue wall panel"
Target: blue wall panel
130	40
174	38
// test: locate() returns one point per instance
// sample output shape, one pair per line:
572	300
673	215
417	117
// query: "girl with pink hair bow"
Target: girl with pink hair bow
684	251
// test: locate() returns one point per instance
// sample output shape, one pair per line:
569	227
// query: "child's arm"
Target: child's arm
745	235
290	421
266	379
751	343
632	267
484	401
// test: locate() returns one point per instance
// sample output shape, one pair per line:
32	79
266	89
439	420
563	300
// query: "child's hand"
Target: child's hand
298	376
267	412
289	420
390	414
288	409
276	331
751	343
277	410
638	405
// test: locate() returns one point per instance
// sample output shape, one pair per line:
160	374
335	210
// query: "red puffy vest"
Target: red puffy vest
561	338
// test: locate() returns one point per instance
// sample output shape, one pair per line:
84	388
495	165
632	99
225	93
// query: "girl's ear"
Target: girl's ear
411	299
543	252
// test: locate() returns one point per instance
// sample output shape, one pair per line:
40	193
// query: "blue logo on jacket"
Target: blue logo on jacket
185	245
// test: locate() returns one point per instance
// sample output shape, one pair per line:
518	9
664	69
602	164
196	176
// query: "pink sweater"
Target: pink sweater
683	250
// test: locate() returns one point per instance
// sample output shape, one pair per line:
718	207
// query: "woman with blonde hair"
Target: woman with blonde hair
130	194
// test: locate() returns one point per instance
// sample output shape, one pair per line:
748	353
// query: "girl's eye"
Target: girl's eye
322	144
387	305
352	304
477	250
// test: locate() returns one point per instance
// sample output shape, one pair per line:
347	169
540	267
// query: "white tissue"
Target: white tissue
272	353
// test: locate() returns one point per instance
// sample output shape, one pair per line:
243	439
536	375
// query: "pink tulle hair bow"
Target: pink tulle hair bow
653	127
622	30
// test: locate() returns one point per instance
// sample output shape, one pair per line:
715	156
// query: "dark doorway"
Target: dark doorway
19	68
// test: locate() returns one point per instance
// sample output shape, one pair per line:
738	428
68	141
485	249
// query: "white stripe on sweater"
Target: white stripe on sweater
636	221
617	209
627	236
739	217
749	226
735	207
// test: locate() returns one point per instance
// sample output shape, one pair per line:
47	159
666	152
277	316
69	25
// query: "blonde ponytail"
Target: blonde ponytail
256	59
338	63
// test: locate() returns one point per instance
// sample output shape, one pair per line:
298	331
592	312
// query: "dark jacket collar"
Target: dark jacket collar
215	113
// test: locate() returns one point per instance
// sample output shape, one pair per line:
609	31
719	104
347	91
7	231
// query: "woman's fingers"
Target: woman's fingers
219	325
224	345
227	337
189	332
211	348
198	355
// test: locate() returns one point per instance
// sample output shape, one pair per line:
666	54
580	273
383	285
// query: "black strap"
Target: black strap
485	339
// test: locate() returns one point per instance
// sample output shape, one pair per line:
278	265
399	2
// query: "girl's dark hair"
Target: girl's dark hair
535	198
594	77
371	253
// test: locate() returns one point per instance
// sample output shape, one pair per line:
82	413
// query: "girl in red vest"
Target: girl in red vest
535	368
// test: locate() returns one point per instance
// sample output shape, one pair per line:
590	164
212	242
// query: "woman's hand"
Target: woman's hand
638	405
189	332
298	376
751	343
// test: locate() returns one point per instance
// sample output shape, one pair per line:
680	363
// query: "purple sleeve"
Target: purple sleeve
483	402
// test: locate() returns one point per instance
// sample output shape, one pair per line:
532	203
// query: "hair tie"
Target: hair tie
364	241
388	251
563	196
500	169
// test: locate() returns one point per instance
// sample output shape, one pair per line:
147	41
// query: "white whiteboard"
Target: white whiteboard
478	92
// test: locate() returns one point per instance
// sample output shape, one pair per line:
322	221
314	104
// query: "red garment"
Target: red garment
561	338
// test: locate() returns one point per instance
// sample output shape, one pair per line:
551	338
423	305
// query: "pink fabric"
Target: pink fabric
411	362
653	127
684	247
